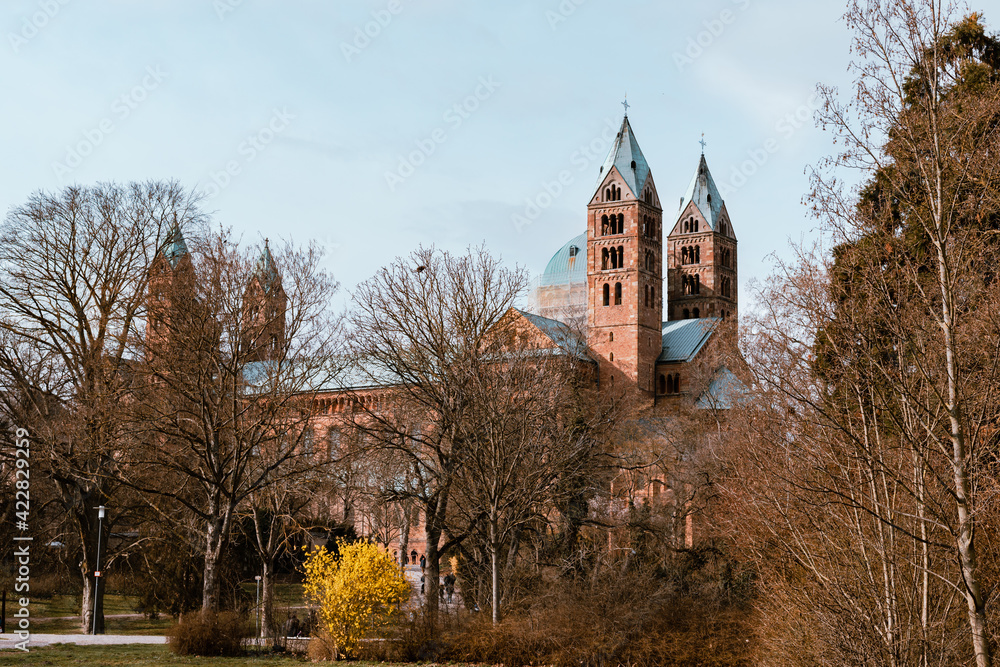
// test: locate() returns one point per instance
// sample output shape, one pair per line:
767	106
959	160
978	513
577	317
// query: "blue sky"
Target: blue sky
338	121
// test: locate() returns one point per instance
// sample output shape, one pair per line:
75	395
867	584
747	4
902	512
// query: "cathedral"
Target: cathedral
647	302
644	305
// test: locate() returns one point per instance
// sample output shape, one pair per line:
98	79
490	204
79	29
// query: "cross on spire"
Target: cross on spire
703	143
626	105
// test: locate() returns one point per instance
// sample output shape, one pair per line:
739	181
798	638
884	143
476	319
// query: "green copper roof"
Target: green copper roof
683	339
567	266
174	246
704	194
624	153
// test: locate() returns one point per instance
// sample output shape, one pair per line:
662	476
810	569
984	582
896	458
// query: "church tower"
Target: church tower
264	306
624	265
171	292
701	254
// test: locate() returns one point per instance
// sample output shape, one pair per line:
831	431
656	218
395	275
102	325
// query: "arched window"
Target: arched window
686	224
684	255
696	313
604	225
618	294
621	223
697	254
611	337
614	259
709	197
611	357
663	383
621	257
677	383
618	194
633	165
604	259
697	285
607	194
694	225
645	294
687	314
652	296
607	294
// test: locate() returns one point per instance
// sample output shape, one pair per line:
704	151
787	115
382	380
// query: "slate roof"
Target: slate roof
563	269
704	194
623	152
683	339
559	333
724	392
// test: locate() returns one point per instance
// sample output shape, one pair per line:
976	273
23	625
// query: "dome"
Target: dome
568	265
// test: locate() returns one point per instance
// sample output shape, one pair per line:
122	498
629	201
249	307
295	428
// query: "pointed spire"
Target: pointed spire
174	247
266	269
626	155
705	195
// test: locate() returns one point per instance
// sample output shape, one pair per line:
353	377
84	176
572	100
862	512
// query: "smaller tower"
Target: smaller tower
170	292
701	254
264	306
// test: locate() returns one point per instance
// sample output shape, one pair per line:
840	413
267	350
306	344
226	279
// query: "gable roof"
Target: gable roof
561	335
683	339
705	195
623	153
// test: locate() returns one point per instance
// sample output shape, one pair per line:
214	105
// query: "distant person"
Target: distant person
449	585
292	627
423	562
422	577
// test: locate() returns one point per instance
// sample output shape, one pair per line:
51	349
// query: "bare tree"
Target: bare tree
876	367
72	295
421	329
530	424
239	343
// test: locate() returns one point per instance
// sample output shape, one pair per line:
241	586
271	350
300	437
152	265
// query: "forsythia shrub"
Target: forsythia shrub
358	593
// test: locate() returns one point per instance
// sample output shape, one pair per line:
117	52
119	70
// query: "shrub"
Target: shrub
358	593
209	633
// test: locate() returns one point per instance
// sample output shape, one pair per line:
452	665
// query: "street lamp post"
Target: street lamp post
97	568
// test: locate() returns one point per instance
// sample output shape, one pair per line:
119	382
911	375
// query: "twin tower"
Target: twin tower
630	307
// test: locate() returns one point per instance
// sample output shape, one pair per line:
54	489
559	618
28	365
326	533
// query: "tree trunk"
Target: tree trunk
965	543
216	532
494	565
267	599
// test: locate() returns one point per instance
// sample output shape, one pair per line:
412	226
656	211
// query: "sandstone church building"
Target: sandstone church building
646	332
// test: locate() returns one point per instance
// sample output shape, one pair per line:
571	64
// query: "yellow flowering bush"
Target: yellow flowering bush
358	593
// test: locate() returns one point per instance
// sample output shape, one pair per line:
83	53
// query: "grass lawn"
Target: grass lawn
130	656
112	626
